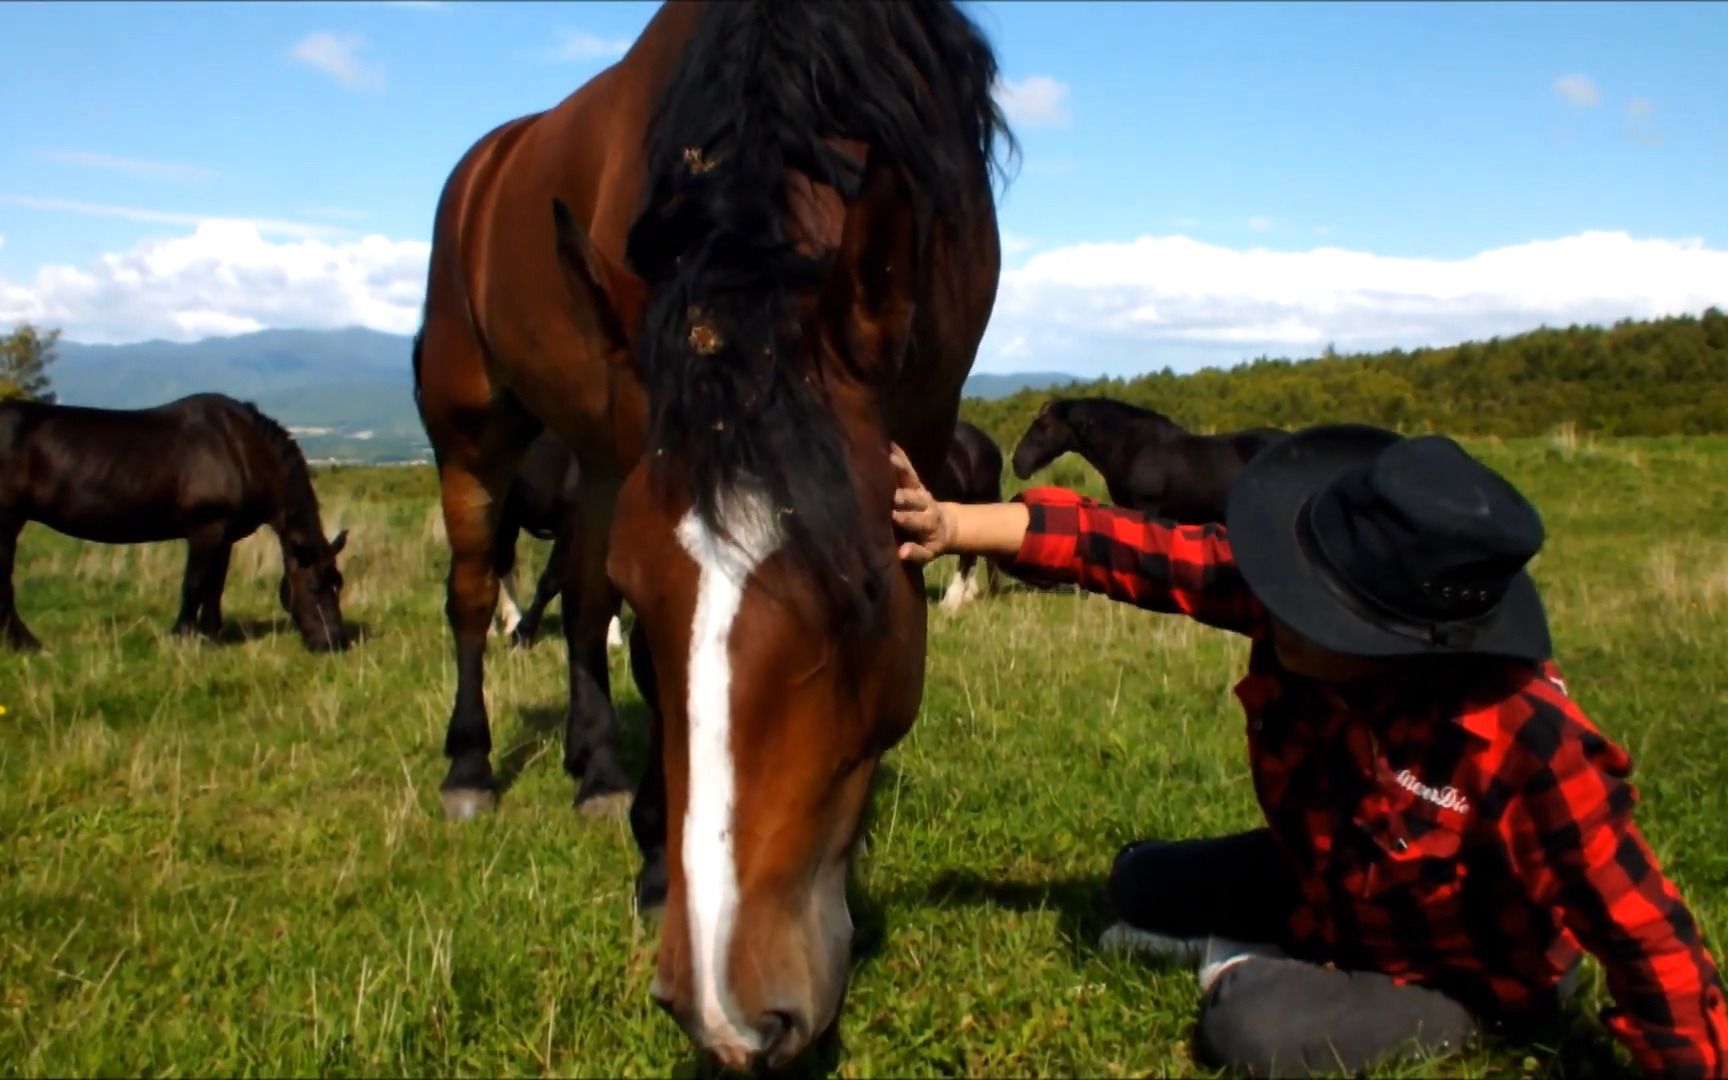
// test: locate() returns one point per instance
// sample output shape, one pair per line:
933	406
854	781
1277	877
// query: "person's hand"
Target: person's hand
928	528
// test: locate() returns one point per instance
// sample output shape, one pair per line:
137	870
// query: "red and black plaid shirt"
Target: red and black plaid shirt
1472	837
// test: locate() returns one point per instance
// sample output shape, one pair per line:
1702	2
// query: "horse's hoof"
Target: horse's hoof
465	804
651	915
650	894
604	805
519	640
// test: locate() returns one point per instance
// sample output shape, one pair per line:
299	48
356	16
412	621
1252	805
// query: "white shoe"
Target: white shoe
1223	954
1210	956
1132	941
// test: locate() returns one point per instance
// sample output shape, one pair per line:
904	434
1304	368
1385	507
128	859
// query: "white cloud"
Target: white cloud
136	168
338	55
1158	300
1578	90
1035	101
267	226
226	278
1015	244
584	45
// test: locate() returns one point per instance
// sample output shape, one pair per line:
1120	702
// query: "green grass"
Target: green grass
230	859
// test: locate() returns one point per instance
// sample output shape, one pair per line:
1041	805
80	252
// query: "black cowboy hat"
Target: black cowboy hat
1368	543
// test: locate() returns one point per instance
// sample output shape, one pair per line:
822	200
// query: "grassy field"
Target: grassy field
229	859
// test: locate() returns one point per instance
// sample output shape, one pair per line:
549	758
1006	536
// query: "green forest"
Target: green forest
1661	377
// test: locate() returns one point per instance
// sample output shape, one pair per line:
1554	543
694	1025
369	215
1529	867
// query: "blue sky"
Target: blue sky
1200	183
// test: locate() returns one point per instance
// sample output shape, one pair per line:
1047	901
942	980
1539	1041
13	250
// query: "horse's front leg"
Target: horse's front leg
964	585
648	811
504	565
590	602
215	581
13	632
202	545
545	589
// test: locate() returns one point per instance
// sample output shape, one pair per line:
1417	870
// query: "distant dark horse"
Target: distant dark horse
541	500
971	473
206	469
1148	461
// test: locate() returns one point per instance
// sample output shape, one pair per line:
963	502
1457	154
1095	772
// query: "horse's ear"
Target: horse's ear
607	298
339	543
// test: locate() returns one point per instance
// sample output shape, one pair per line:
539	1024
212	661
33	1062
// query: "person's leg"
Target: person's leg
1283	1017
1230	886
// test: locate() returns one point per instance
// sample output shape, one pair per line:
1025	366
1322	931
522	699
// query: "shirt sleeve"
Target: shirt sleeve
1574	846
1147	561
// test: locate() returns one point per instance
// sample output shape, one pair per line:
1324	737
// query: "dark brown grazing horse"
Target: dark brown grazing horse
775	251
1148	461
541	501
971	473
206	469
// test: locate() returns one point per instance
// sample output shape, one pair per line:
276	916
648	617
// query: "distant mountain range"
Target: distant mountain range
347	394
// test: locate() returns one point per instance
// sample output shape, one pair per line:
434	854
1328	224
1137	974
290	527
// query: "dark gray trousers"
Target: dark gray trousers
1274	1017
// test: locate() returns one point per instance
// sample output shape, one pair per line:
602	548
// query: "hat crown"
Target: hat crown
1426	531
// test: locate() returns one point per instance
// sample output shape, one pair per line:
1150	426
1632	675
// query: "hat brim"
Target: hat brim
1261	517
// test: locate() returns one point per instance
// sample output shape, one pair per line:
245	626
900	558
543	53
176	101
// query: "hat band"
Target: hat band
1448	634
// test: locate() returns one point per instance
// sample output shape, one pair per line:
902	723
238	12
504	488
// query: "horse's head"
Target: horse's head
773	723
1047	438
311	589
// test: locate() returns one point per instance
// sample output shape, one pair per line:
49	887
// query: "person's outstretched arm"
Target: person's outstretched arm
1057	537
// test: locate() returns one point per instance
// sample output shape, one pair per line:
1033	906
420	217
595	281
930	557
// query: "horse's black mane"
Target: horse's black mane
760	86
300	502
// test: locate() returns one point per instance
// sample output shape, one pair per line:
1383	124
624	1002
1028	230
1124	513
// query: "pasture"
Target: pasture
230	859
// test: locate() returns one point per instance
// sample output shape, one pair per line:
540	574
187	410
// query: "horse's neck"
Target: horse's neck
1110	445
296	511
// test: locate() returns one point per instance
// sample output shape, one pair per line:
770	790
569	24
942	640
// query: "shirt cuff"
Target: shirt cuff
1047	551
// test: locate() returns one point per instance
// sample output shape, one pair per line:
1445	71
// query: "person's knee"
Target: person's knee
1134	880
1240	1029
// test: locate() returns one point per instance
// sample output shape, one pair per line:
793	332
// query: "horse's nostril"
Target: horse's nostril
778	1030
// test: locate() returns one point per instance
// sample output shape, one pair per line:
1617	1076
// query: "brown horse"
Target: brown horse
206	468
775	252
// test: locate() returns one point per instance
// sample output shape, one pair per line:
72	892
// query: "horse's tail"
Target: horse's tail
760	89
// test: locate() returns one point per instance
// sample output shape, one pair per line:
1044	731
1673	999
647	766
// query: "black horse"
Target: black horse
1148	461
540	501
971	473
206	469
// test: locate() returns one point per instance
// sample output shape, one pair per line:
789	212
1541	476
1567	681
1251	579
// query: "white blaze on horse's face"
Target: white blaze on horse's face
724	566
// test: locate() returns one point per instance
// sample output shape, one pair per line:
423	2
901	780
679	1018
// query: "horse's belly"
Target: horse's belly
113	529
